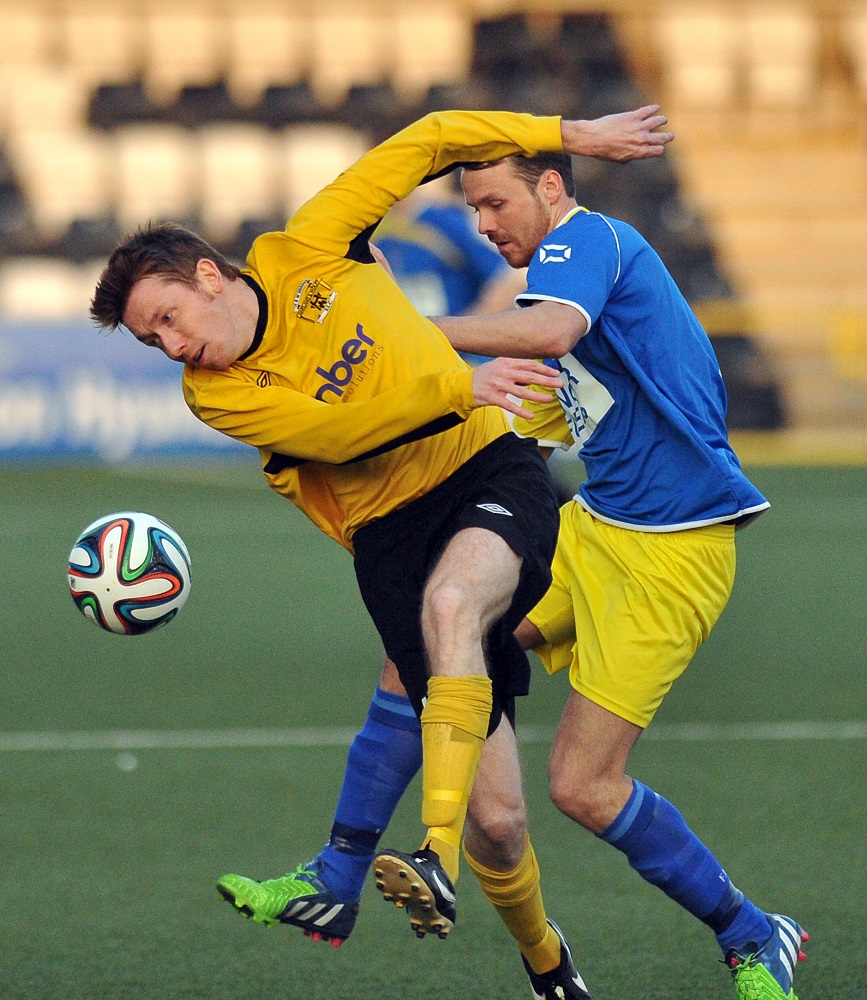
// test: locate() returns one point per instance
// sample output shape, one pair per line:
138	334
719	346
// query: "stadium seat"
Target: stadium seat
432	46
64	175
17	235
655	178
236	166
47	288
503	48
311	156
698	47
155	175
848	345
539	94
203	104
350	45
781	46
376	108
590	50
546	64
697	273
475	94
239	245
266	46
28	34
40	96
183	44
755	399
100	43
853	29
116	104
287	104
87	238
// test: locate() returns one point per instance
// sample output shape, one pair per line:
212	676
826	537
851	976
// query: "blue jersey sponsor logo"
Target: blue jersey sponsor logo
583	398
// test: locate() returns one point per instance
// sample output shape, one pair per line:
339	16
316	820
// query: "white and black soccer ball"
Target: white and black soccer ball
129	573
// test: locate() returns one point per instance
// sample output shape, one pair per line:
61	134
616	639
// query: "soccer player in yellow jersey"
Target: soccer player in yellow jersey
367	421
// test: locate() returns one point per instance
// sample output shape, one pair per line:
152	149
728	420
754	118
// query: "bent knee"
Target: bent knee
584	802
497	839
446	604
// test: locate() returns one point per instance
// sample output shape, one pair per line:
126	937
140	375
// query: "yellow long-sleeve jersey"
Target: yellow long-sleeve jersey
357	403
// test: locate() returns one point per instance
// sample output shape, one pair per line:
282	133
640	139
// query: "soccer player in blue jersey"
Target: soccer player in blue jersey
646	556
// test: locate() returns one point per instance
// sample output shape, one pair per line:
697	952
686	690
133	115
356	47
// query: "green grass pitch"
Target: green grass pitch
110	856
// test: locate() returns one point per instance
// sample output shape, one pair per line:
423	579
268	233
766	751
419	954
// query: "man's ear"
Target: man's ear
551	186
210	276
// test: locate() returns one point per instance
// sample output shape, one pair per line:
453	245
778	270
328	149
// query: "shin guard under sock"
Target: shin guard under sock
454	724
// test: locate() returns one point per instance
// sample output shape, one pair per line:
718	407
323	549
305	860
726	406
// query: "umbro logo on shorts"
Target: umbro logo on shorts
494	508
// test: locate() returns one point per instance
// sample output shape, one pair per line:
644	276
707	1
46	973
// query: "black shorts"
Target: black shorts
506	488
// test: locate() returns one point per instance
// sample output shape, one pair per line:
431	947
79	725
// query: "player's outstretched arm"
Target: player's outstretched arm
630	135
496	382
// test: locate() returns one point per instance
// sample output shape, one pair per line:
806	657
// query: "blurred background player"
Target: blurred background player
442	264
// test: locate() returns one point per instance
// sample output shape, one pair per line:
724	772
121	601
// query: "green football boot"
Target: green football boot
767	973
301	899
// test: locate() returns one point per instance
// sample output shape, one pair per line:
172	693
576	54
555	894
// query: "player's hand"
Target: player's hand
630	135
496	382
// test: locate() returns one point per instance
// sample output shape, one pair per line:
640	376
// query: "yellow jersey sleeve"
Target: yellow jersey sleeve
291	423
361	196
357	403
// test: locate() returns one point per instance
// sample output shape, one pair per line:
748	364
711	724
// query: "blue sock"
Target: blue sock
663	850
383	759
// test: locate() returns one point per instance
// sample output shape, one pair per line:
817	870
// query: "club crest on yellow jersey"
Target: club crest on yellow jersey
313	299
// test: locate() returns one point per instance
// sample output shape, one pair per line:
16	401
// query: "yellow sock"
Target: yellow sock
454	724
517	897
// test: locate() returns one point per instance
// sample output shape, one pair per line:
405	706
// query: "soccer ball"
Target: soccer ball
129	573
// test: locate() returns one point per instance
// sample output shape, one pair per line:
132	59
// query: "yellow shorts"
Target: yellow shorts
628	609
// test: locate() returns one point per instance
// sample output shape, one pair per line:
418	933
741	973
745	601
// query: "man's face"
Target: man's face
512	216
188	323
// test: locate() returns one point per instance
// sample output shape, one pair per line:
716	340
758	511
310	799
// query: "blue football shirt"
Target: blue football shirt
644	397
